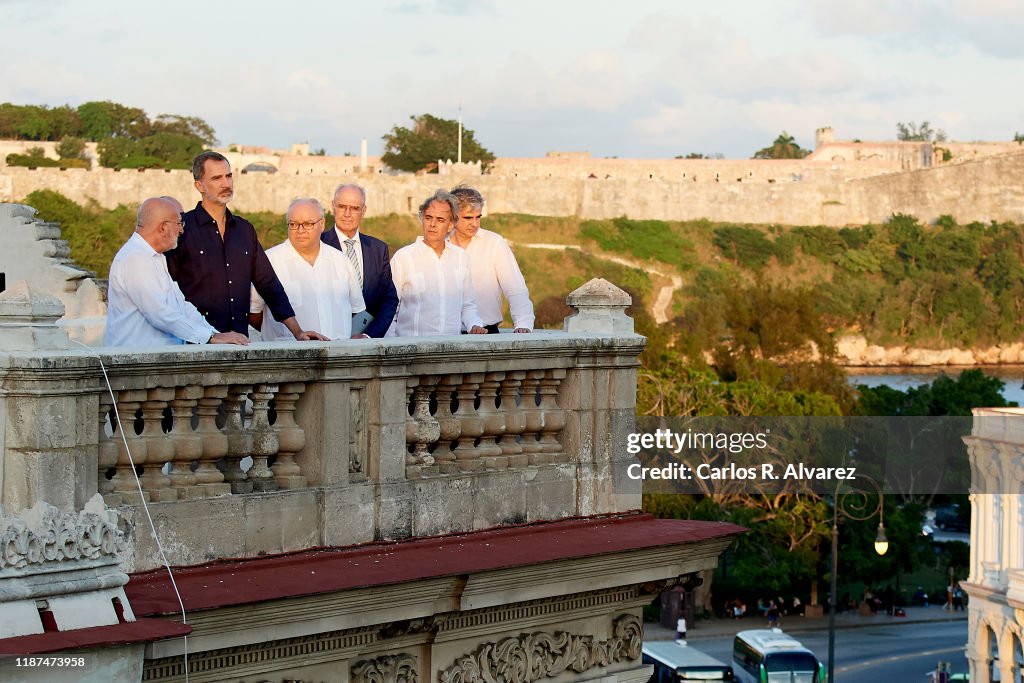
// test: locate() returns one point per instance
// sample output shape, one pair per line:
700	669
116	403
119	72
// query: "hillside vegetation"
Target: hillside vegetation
757	302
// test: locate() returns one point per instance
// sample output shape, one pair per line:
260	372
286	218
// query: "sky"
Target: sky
647	78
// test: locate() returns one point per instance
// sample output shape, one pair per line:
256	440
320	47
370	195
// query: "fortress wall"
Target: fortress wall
985	189
49	149
990	188
704	170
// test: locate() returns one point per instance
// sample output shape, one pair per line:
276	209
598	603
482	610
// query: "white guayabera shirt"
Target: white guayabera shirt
494	271
145	307
435	294
324	294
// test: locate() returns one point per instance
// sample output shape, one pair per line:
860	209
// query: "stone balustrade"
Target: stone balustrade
286	446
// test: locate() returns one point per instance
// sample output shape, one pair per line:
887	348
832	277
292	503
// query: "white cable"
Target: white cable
142	497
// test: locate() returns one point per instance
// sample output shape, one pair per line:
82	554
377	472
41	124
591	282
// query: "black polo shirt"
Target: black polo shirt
215	274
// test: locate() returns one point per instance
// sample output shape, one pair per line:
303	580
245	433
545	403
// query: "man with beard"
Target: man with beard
219	256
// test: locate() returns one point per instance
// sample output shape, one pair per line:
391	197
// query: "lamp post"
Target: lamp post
855	505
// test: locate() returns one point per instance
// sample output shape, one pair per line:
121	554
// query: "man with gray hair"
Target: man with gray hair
494	268
321	283
144	305
435	289
368	255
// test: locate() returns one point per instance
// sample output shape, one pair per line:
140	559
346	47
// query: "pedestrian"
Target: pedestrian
681	630
773	615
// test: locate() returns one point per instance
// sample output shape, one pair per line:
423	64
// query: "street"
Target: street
874	654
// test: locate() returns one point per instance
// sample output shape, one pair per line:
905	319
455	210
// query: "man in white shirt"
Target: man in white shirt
145	307
435	289
493	266
321	284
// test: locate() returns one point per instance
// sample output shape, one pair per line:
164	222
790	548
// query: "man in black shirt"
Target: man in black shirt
219	256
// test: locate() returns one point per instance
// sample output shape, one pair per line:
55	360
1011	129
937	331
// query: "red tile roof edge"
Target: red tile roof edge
126	633
328	570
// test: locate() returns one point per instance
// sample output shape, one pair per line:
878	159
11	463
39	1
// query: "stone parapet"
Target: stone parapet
291	446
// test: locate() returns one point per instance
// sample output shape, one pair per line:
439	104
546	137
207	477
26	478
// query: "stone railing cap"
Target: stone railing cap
598	292
17	210
24	303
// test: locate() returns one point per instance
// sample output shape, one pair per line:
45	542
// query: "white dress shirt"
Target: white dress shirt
435	294
494	270
324	294
145	306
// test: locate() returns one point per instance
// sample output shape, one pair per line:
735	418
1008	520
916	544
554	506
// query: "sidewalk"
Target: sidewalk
715	628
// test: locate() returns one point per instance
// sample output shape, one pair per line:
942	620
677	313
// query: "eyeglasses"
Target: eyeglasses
304	227
180	224
345	208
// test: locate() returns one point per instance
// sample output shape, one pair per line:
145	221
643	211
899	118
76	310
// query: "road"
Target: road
883	654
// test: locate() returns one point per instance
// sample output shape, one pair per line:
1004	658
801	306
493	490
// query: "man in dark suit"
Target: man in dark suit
369	256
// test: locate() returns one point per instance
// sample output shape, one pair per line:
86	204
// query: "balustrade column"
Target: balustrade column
421	429
554	416
106	452
533	418
127	440
494	422
471	425
450	425
290	436
264	439
515	419
188	444
215	443
239	438
159	449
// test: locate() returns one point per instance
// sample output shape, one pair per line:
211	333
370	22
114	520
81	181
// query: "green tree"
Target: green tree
918	132
784	147
189	126
428	140
107	119
71	148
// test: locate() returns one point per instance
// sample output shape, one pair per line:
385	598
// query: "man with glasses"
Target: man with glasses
145	306
321	283
219	257
368	255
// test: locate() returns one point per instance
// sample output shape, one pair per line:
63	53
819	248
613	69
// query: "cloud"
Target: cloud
992	27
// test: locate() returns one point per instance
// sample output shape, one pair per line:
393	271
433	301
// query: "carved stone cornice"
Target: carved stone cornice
400	668
532	657
43	536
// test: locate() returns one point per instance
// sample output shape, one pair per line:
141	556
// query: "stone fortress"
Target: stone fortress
840	183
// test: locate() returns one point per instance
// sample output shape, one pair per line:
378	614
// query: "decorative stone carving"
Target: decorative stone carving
401	668
45	535
535	656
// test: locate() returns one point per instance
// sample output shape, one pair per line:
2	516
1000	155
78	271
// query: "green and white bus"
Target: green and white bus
771	656
674	662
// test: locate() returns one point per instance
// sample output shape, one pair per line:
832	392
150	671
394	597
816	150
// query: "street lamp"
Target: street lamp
855	505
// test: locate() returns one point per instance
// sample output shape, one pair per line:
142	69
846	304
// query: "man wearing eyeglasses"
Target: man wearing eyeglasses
368	255
144	305
321	283
219	257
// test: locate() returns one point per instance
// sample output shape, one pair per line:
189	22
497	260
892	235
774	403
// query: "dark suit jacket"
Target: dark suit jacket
378	287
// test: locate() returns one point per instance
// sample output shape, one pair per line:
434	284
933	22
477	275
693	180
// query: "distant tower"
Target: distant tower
824	136
362	156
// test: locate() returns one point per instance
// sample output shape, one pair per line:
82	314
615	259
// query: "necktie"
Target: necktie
350	251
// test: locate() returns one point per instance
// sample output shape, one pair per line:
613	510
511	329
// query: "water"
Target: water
907	378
